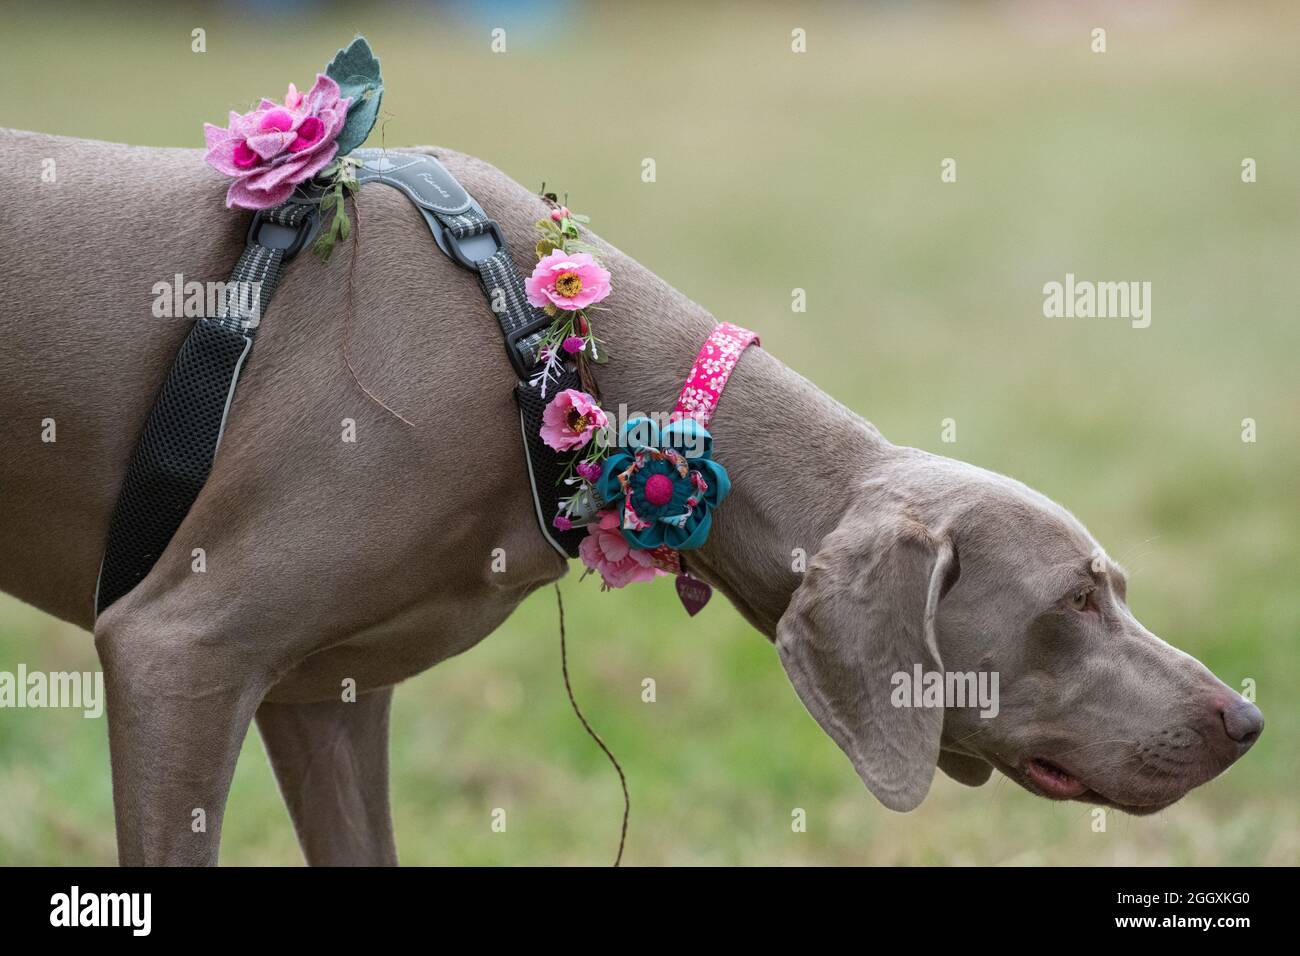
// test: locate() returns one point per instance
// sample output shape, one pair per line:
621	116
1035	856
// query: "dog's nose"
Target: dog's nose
1243	721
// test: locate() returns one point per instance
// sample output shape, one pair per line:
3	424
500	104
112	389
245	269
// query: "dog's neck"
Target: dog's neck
796	458
795	455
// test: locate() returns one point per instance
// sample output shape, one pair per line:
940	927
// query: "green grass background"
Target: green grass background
818	171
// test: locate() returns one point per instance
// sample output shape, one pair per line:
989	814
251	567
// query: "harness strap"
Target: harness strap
469	237
473	240
173	458
503	286
524	326
275	236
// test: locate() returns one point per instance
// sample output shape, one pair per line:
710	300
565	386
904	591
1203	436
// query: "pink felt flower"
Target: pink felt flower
607	551
571	419
567	281
269	151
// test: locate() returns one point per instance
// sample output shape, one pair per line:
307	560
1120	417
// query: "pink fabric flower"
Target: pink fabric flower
562	523
567	281
271	150
606	550
588	470
571	419
573	344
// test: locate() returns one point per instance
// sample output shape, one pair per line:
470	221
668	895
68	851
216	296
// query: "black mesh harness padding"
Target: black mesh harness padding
174	457
546	467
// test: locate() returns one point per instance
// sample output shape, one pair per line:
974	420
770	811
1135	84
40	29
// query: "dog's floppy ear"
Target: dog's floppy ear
864	613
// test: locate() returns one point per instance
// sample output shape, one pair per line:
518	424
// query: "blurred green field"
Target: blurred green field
819	171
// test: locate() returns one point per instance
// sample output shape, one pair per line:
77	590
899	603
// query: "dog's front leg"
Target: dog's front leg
331	760
179	704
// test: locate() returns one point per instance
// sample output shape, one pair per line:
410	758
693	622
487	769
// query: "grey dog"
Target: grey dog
369	561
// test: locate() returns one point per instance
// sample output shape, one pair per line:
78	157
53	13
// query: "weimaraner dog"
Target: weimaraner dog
370	561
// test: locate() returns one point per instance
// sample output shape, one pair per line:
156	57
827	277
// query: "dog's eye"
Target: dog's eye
1080	599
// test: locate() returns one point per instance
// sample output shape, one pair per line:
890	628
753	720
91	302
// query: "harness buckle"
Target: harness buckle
289	239
472	250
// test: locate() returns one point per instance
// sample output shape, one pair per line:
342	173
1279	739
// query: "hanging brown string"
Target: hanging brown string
564	667
352	307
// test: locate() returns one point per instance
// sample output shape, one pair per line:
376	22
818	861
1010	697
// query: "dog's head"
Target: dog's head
956	618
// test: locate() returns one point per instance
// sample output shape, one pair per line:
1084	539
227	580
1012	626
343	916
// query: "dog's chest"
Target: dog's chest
410	641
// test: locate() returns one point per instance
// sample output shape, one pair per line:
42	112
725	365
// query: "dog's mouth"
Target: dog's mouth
1053	781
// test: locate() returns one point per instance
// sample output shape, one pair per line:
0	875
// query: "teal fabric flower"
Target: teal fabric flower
664	483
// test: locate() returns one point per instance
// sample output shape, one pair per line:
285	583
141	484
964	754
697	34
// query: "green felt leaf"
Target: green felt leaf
356	70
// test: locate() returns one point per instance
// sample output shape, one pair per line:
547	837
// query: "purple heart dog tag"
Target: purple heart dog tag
693	592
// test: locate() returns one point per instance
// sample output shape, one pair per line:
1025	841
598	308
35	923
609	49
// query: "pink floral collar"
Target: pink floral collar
713	366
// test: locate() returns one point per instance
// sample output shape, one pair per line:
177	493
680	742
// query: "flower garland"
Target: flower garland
566	282
645	494
270	151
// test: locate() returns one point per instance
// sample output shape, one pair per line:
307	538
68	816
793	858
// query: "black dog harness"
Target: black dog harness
174	456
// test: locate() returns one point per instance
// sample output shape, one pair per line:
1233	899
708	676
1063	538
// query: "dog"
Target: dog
330	564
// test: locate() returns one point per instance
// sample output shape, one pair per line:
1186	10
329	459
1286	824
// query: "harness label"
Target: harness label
421	177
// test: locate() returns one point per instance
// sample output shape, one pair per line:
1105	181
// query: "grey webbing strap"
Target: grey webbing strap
524	326
257	273
473	240
174	455
469	237
503	286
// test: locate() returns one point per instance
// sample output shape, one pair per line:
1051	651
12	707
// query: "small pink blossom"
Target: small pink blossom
571	419
606	550
567	282
272	149
573	344
562	523
588	470
558	215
